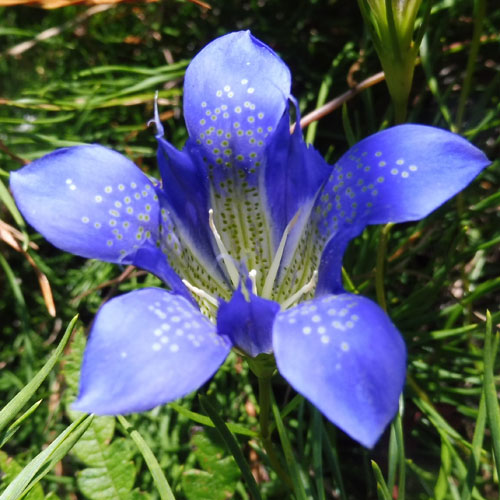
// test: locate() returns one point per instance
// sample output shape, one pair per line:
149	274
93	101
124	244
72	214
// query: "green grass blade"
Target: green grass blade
232	445
9	412
382	490
202	419
12	429
477	445
293	468
490	392
34	471
154	467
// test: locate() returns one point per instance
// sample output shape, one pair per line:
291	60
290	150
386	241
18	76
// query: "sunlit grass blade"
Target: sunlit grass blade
9	412
159	478
477	446
13	428
490	391
232	446
202	419
45	460
293	468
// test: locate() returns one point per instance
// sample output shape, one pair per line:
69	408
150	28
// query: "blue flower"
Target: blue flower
248	228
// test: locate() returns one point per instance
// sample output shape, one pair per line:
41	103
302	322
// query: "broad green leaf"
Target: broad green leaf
93	447
114	479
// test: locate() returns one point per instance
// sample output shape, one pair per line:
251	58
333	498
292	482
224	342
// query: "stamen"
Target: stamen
253	278
305	289
201	293
226	258
273	270
156	120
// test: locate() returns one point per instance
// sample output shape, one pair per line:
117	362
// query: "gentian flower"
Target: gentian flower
247	228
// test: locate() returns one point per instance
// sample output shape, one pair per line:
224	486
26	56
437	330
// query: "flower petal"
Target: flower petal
397	175
235	93
248	323
90	201
146	348
294	177
343	354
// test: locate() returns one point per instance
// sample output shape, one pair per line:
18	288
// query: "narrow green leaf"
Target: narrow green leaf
42	463
232	446
477	445
293	468
490	391
441	487
12	429
154	467
382	490
317	448
9	412
333	459
202	419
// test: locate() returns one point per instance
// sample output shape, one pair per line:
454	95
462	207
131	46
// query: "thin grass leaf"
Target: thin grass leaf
33	472
317	448
14	427
232	445
159	478
477	446
9	412
293	469
202	419
490	391
382	490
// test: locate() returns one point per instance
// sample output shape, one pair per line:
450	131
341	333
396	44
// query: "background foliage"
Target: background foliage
94	81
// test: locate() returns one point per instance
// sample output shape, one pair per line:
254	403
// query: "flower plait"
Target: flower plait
247	228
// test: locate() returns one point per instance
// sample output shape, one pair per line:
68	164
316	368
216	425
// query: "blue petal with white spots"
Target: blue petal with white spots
343	354
90	201
248	323
235	93
146	348
397	175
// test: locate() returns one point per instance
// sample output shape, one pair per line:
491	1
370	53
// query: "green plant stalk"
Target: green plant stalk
232	445
265	433
298	486
397	429
380	265
479	16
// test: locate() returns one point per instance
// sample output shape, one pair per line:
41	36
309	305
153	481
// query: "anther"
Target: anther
201	293
253	278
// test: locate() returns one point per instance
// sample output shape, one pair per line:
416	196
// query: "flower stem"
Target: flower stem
380	265
264	412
